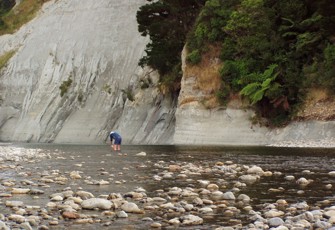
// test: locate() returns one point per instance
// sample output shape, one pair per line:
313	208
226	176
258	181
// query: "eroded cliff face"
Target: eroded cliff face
94	47
91	49
201	120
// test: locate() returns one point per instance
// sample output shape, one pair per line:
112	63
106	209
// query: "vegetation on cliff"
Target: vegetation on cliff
272	51
12	19
167	22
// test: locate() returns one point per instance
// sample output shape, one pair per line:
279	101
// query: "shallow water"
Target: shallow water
138	171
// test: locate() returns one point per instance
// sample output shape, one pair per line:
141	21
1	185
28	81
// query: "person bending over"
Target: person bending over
117	140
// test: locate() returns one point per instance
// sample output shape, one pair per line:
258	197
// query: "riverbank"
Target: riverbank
91	187
323	143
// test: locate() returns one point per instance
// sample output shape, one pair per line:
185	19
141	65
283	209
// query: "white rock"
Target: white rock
84	194
174	221
275	222
191	220
13	203
273	213
20	190
289	178
205	210
3	226
99	203
156	225
57	198
249	178
228	196
122	214
255	170
130	207
243	197
75	175
17	218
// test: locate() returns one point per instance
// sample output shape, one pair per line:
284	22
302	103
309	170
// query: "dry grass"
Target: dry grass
319	105
21	14
317	95
207	76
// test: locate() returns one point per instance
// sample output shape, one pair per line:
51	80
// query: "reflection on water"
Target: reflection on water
131	171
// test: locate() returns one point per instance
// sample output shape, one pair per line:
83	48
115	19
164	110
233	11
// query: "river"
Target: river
126	171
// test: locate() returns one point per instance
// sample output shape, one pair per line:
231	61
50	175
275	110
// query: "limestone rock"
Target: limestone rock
99	203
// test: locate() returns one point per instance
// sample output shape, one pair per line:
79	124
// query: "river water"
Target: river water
126	171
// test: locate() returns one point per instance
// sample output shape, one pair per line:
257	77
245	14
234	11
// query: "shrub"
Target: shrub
194	57
22	14
129	94
107	88
80	96
5	58
64	87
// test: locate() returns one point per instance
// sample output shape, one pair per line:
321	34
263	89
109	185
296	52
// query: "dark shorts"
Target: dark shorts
118	141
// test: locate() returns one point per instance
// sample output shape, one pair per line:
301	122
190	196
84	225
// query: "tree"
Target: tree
6	5
167	23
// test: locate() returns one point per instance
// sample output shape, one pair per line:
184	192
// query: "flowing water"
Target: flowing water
133	171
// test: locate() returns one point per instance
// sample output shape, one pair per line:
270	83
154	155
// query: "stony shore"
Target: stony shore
168	208
324	143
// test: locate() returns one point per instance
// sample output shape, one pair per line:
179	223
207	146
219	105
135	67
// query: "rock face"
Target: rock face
74	77
198	123
93	46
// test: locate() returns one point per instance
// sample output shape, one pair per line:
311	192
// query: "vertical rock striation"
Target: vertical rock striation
90	49
74	77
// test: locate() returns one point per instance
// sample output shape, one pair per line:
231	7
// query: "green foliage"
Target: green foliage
6	6
209	24
223	94
107	88
235	71
129	93
329	55
80	96
257	33
298	36
167	22
328	78
11	20
194	57
64	87
265	86
146	82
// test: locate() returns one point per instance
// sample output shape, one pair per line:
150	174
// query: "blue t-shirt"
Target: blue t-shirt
117	138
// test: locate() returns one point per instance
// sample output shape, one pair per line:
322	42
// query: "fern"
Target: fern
257	96
250	89
255	91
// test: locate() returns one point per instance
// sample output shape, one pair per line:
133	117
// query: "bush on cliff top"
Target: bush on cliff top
11	19
167	22
295	37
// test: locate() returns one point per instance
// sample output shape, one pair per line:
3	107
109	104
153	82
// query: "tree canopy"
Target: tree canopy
5	6
167	23
272	51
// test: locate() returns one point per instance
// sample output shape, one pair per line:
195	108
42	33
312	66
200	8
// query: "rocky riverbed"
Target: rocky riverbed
322	143
184	193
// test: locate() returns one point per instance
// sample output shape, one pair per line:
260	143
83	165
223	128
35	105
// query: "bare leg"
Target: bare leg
119	147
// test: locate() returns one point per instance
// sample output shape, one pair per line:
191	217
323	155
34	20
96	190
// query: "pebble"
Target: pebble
190	204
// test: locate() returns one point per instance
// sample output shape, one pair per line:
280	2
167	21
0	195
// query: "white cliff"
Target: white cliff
97	46
200	121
